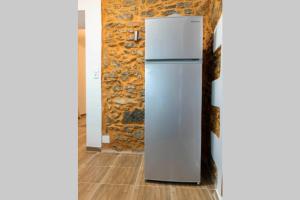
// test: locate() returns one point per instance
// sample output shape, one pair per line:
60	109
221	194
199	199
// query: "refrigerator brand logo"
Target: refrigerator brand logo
195	21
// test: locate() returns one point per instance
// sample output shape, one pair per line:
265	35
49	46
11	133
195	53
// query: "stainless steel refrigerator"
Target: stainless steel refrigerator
173	89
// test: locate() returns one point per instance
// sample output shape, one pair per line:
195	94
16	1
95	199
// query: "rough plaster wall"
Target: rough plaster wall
216	12
123	66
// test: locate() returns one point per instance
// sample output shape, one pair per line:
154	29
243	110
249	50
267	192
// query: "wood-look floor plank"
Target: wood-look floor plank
151	193
85	156
92	174
103	159
121	175
128	160
213	194
184	193
86	190
113	192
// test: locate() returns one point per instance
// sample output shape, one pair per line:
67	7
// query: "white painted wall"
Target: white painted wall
218	34
92	10
217	100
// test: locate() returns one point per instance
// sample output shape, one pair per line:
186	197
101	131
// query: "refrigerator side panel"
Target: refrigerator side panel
173	121
174	38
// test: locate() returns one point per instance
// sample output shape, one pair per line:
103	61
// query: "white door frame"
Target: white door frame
92	10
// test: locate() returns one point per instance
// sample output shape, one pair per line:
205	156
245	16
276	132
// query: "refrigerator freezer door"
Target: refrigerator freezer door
173	121
173	38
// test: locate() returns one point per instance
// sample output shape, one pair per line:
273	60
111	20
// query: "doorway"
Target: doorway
81	66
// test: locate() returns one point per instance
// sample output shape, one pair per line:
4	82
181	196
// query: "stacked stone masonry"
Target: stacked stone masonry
123	64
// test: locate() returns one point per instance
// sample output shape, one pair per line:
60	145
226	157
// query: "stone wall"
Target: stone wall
216	12
123	66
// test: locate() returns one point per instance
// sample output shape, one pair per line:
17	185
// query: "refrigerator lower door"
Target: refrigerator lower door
173	121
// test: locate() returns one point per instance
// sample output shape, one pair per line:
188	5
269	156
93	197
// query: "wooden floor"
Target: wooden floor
109	175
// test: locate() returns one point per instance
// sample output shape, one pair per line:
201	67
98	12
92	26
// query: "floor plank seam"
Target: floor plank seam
172	191
109	170
85	164
139	172
211	192
211	195
122	152
116	166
